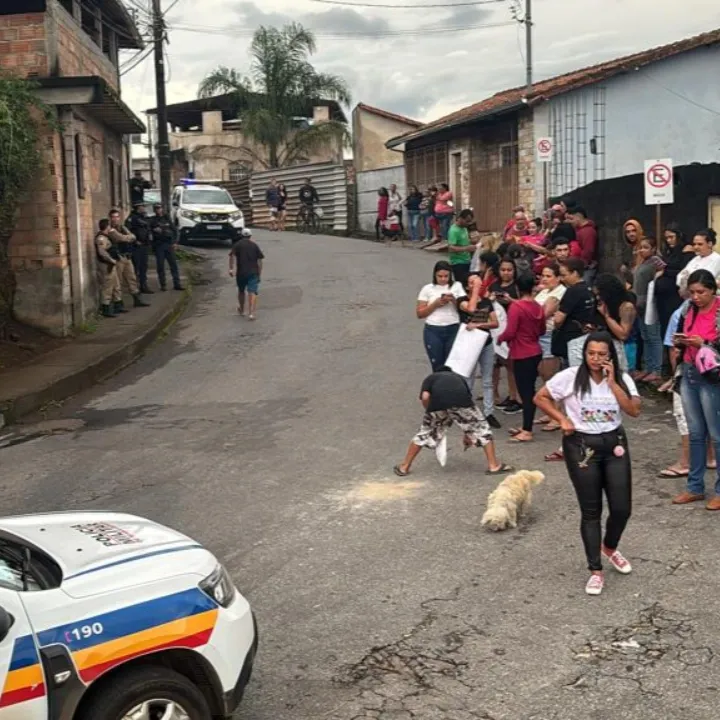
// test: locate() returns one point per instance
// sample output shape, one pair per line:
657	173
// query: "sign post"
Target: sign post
544	148
659	188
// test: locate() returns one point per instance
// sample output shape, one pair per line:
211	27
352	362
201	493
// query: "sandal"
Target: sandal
555	456
512	432
400	472
671	472
550	427
517	440
501	470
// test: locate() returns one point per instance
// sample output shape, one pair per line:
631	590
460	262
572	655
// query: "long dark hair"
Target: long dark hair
492	261
582	379
443	265
611	290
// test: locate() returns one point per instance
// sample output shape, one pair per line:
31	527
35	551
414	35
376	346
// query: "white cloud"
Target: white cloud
418	72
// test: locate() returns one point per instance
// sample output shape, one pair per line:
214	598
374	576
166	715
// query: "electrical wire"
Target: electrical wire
683	97
135	61
205	30
403	7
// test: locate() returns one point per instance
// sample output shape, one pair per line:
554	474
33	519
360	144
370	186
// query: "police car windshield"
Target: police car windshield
211	196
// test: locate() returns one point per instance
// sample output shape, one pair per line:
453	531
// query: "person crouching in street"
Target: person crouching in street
164	242
137	223
447	400
123	243
246	262
110	296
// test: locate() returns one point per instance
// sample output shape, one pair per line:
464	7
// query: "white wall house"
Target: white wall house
669	108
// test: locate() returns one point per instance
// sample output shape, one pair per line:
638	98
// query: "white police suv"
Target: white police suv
205	211
106	616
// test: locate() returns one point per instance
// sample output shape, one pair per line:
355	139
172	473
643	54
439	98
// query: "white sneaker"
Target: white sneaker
619	562
595	584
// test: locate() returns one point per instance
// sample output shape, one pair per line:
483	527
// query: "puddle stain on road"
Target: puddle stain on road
378	493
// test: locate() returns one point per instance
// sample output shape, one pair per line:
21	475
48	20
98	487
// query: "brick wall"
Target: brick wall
526	163
22	44
72	51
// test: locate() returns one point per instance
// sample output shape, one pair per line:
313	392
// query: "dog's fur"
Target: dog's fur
510	499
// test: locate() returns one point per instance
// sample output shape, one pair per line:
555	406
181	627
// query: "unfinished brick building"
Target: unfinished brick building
70	47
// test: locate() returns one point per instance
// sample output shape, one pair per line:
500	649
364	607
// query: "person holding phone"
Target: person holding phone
437	305
594	396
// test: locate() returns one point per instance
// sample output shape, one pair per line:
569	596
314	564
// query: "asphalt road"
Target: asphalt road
272	442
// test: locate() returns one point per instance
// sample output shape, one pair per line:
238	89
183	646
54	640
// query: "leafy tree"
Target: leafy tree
21	115
282	83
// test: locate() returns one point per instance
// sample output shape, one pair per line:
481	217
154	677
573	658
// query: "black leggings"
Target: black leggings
593	467
526	372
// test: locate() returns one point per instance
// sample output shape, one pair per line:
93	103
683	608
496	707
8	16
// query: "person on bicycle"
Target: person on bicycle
308	197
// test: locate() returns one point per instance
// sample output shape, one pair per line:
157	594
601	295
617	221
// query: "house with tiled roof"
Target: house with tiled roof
605	121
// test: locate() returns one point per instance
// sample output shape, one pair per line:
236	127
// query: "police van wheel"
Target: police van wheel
148	693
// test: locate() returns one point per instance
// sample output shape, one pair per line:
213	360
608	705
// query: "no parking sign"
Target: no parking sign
659	182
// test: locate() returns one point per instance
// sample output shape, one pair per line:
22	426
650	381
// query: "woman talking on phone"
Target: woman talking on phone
437	305
595	447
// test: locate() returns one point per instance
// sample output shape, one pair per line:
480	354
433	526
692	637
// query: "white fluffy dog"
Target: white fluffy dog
510	499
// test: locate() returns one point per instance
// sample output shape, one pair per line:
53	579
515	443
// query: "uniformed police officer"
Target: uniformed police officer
137	224
110	296
123	241
164	242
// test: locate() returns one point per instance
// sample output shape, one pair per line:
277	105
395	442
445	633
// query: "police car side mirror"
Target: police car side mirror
6	622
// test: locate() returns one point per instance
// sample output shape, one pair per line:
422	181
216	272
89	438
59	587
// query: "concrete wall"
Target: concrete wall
667	109
368	183
214	149
370	133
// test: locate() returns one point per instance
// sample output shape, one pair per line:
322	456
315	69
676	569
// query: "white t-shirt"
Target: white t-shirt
446	314
594	413
542	297
710	263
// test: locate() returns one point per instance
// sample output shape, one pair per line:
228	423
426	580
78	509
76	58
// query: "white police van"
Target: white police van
106	616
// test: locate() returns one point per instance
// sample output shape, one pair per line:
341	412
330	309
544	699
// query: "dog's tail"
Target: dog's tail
535	477
496	517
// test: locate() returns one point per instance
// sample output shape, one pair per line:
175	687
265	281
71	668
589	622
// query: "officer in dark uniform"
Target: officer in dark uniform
138	224
164	240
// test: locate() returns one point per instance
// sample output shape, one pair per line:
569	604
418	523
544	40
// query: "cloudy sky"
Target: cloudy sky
423	63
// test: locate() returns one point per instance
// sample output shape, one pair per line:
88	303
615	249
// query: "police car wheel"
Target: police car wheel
148	693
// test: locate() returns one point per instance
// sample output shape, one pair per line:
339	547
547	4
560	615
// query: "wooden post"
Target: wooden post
658	223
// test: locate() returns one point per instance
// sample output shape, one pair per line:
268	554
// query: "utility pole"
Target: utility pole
162	120
151	150
528	45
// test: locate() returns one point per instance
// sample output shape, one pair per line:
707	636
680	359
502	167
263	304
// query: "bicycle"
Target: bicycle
308	220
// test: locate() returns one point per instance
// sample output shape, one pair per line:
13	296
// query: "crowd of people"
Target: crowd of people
429	213
531	304
123	250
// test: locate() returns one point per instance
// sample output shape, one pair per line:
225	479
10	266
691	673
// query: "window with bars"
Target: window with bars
427	166
509	155
238	172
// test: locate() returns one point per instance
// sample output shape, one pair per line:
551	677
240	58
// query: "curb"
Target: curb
101	369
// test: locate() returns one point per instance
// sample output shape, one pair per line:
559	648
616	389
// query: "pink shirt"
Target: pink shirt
441	203
703	324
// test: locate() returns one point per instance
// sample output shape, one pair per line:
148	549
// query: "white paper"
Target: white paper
651	316
466	351
501	350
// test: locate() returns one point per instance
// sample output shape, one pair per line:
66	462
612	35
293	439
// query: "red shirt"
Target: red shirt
587	240
525	326
382	207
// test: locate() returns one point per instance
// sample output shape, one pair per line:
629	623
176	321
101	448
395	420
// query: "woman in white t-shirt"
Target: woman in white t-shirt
437	305
595	446
705	259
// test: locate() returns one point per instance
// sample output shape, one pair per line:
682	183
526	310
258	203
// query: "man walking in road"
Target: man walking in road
246	262
272	199
110	295
164	243
123	243
460	248
137	224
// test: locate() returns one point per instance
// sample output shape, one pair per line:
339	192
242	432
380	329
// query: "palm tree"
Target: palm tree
282	83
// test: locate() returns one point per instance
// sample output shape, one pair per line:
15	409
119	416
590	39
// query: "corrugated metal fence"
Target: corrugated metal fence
240	192
330	181
368	183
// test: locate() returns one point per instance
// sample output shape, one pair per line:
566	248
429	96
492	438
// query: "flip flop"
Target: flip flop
550	428
517	440
555	456
543	421
512	432
501	470
399	472
670	473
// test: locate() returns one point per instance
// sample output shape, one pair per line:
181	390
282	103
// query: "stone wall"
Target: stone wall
459	157
526	163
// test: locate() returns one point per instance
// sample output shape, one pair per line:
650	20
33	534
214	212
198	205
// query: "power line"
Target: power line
136	60
683	97
382	5
232	32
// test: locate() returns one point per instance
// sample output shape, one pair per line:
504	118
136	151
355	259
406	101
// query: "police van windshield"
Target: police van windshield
207	196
